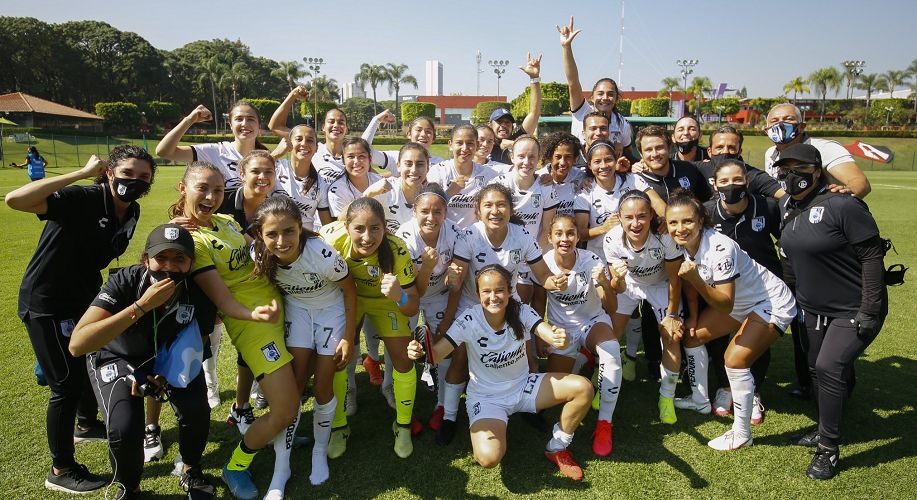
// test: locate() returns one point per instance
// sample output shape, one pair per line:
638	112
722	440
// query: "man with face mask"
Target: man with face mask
87	227
784	126
687	138
726	144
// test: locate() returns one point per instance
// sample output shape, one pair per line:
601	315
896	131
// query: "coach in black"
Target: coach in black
833	246
87	227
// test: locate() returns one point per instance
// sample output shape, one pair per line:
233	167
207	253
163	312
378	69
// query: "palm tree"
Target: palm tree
699	85
374	75
396	78
234	77
291	72
912	71
669	85
892	79
796	85
212	70
869	83
322	88
823	80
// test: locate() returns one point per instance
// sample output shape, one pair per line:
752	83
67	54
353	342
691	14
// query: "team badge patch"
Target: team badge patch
373	271
516	255
656	253
171	233
757	224
581	279
122	189
685	182
816	214
271	353
184	314
536	200
109	372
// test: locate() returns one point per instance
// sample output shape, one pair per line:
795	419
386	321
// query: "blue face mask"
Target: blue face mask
783	132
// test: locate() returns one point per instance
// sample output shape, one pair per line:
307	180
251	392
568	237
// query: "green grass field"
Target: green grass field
650	460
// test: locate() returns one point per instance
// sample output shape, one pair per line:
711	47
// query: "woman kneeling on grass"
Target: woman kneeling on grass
495	333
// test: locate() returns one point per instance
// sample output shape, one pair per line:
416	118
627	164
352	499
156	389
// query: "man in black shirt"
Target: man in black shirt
687	137
664	174
726	144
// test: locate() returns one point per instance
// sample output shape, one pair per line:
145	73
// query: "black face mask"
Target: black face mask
128	190
725	156
686	147
796	182
160	275
732	193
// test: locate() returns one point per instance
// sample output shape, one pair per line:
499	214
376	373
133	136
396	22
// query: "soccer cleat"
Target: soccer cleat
596	400
404	446
667	410
722	402
565	464
757	411
94	431
240	483
416	426
824	464
337	444
629	370
389	392
729	442
75	480
197	487
152	443
601	438
350	401
213	395
436	418
689	403
372	368
446	432
808	437
241	418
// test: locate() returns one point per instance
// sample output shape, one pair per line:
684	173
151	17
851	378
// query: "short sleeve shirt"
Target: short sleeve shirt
398	209
754	230
461	206
619	131
224	156
600	204
341	192
531	204
645	266
566	191
309	201
832	155
682	174
445	246
367	273
517	249
329	167
311	280
580	301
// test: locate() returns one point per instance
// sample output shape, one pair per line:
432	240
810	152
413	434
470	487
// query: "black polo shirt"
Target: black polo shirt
505	155
819	246
702	154
136	344
682	174
755	229
234	206
81	237
758	181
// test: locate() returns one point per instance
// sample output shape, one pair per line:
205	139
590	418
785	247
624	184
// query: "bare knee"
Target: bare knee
581	387
488	458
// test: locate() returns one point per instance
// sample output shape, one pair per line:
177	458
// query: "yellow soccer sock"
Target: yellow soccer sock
405	388
241	457
339	387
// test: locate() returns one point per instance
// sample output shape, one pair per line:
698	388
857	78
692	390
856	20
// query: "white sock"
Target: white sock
633	333
697	372
321	430
283	444
667	383
389	369
372	343
215	339
609	377
441	371
451	402
743	393
579	361
560	441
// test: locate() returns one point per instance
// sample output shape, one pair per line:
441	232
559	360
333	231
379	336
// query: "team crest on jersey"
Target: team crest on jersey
515	255
685	182
656	253
479	180
536	200
373	271
271	353
581	278
816	214
184	314
757	224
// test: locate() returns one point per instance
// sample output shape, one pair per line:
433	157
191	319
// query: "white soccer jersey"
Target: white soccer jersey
832	155
600	204
580	302
529	205
312	279
224	156
445	245
619	131
518	248
647	265
387	159
341	192
720	260
309	202
566	191
329	166
398	209
461	206
497	362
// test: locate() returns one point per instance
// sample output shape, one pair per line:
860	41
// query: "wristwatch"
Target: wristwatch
535	80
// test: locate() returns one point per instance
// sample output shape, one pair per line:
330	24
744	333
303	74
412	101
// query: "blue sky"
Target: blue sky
757	44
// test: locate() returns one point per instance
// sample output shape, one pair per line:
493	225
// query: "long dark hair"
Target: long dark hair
593	148
506	192
385	252
512	316
636	194
279	206
232	110
177	209
313	173
125	152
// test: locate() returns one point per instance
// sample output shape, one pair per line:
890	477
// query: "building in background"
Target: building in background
456	109
434	78
351	89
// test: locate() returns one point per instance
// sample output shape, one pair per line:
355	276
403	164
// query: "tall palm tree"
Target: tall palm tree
669	85
396	78
290	72
235	76
699	85
868	82
796	85
912	71
823	80
374	75
893	79
212	70
322	88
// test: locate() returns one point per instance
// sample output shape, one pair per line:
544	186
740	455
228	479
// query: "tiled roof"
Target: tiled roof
18	102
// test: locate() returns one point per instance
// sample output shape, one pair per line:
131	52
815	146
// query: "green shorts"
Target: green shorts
261	345
385	317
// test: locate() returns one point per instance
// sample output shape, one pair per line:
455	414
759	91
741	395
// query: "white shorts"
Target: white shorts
434	309
657	295
579	332
522	399
778	312
319	329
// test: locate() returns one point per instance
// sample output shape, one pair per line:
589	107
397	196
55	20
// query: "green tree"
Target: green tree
359	111
699	85
233	79
796	85
912	83
669	85
824	80
412	110
374	75
397	76
212	71
868	83
321	89
725	106
290	72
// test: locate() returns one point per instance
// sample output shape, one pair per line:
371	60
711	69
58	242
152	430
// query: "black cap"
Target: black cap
169	236
805	153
